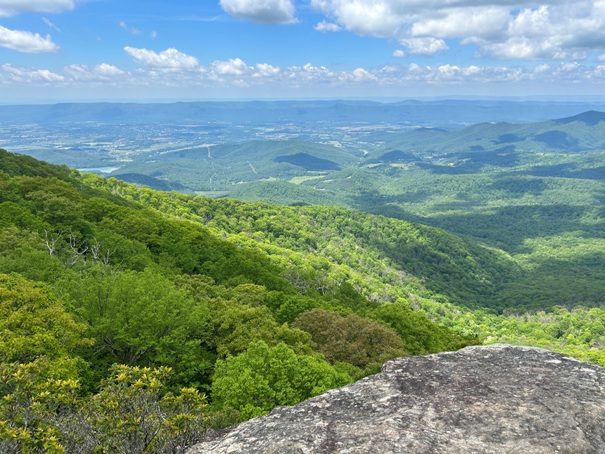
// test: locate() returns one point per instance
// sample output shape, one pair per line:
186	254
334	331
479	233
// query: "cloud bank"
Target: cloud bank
158	70
504	29
261	11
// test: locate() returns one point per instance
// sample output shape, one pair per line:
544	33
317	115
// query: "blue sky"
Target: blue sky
56	50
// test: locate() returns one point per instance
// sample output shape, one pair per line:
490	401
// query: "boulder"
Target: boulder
487	399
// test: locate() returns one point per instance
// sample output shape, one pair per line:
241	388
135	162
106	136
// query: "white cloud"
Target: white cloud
488	22
365	17
399	53
309	70
361	75
307	75
424	46
266	70
572	66
324	26
49	24
416	69
131	30
27	42
103	71
13	7
169	59
261	11
270	80
507	29
232	67
31	75
235	73
448	71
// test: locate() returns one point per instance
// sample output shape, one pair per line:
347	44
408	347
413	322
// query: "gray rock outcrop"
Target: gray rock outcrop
491	399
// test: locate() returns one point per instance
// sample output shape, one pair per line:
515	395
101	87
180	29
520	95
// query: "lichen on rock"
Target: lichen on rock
488	399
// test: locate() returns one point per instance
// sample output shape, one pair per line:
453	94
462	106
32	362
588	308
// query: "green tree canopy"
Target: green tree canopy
262	377
142	318
37	370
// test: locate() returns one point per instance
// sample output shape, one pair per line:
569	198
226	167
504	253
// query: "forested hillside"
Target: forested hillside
534	191
132	320
126	328
213	168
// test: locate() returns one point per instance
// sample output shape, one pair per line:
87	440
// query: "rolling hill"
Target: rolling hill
583	132
220	167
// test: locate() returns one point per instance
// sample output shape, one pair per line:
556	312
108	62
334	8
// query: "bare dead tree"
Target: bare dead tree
99	254
77	251
50	241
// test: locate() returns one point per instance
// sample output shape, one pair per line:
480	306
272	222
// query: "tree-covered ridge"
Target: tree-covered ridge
373	252
344	245
119	318
519	284
544	210
578	133
219	167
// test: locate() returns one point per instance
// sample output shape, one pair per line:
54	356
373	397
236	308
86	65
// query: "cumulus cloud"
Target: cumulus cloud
31	75
424	46
27	42
324	26
169	59
232	67
103	71
13	7
366	17
266	78
261	11
507	29
266	70
488	22
361	75
448	71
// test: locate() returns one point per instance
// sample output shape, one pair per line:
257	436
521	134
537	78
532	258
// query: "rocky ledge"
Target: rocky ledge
490	399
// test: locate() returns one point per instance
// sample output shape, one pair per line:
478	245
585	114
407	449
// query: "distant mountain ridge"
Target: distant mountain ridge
582	132
591	117
480	146
345	111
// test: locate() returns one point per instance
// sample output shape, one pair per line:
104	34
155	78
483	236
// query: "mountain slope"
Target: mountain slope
222	166
81	231
302	258
583	132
